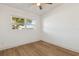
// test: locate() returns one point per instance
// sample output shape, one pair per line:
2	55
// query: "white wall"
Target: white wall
10	38
61	26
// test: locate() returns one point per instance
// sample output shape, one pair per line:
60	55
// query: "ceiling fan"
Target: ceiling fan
40	6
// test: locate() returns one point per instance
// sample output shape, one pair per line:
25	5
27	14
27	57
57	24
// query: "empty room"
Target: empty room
39	29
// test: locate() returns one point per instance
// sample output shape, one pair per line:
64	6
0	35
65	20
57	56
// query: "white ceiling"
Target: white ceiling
32	7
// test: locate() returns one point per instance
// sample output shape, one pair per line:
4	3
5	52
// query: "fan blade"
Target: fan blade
40	7
49	3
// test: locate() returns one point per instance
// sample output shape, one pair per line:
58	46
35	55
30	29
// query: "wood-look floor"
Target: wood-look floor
39	48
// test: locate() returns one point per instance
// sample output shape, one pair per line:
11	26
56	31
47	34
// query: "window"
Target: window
22	23
30	24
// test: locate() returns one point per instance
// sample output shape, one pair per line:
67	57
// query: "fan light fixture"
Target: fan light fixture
38	4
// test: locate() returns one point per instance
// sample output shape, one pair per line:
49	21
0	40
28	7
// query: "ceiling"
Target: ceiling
32	7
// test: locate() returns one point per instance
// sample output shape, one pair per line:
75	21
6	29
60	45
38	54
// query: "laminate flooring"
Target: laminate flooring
39	48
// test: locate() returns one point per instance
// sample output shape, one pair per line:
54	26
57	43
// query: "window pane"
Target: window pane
17	23
29	24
